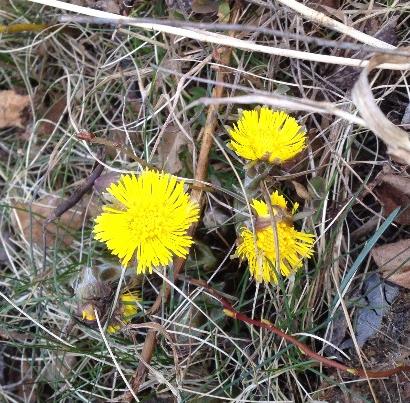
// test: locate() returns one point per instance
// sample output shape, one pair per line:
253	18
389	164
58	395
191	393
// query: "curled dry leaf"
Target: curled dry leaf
12	106
105	181
393	261
197	6
52	116
30	221
169	149
396	139
394	191
301	191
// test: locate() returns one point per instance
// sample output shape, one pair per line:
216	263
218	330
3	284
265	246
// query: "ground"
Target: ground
83	101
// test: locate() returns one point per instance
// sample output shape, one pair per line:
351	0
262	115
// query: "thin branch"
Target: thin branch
93	139
146	356
72	200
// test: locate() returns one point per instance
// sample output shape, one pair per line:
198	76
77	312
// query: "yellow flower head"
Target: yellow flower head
259	248
149	219
267	135
128	309
88	313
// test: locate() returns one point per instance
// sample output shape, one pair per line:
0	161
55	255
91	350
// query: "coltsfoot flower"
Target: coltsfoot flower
267	135
259	248
127	310
148	219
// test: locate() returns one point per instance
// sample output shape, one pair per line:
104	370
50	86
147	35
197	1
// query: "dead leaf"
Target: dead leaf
215	218
197	6
60	366
393	261
396	139
110	6
169	149
12	106
52	116
301	191
204	6
330	3
104	181
394	191
30	222
345	77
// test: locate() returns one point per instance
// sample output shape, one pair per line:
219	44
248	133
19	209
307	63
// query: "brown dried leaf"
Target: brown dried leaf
12	106
393	261
394	191
345	77
301	191
105	181
204	6
53	116
396	139
30	223
169	149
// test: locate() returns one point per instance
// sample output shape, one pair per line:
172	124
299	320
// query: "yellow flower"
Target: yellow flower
88	312
127	310
267	135
259	248
148	219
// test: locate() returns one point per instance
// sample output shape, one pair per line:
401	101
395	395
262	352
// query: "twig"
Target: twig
233	313
146	356
146	353
76	196
93	139
70	202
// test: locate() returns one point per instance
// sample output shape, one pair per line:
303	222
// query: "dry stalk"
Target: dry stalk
17	28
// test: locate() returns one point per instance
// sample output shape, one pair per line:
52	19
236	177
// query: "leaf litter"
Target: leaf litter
13	109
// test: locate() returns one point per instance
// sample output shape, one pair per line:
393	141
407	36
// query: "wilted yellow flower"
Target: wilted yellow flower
127	310
149	219
259	248
267	135
87	312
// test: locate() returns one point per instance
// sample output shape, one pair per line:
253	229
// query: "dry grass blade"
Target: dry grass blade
396	139
282	102
219	39
328	22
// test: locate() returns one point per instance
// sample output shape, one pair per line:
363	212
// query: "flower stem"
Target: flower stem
233	313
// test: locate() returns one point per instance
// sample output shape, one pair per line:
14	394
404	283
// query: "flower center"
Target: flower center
146	223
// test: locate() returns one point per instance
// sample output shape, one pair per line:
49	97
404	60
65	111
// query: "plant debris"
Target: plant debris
393	261
13	109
